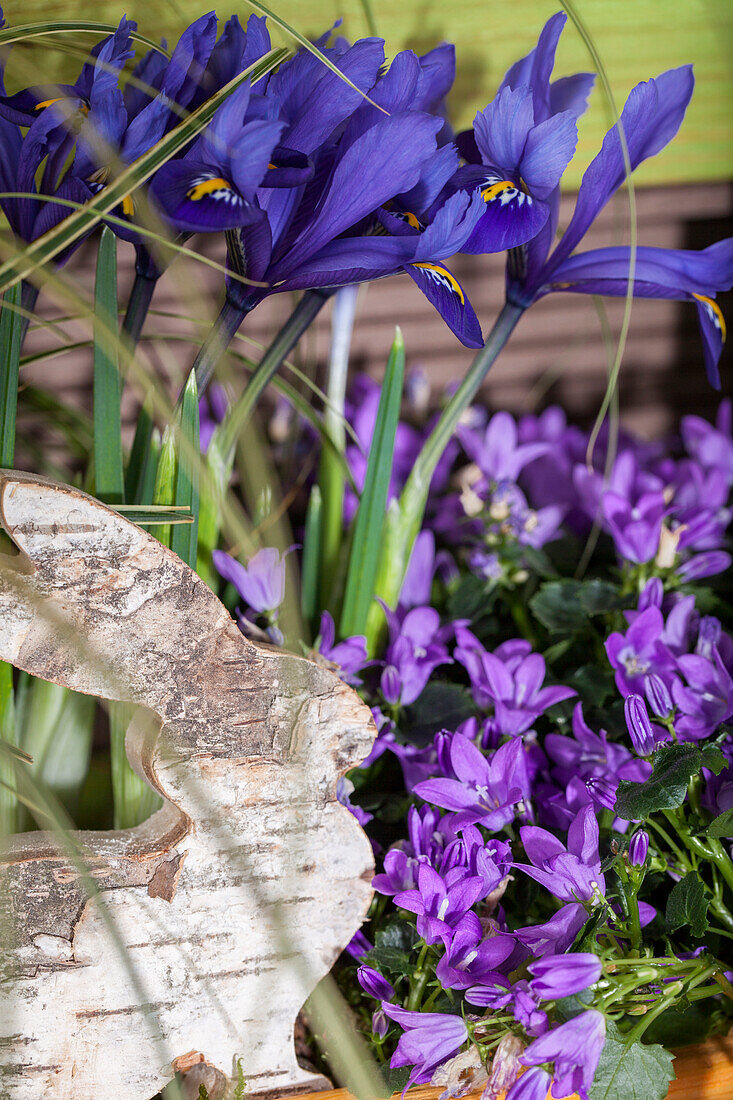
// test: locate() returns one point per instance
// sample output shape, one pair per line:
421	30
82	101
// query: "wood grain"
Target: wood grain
233	900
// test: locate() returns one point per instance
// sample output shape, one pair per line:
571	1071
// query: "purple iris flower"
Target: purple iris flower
350	655
572	873
469	957
556	935
367	211
521	144
429	1038
511	678
261	583
575	1048
485	791
416	648
639	652
439	903
556	976
651	117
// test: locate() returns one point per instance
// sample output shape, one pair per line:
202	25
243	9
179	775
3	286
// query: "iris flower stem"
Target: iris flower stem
221	334
404	518
330	474
304	313
28	299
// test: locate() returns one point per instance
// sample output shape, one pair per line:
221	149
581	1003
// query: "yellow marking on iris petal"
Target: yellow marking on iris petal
496	189
128	206
272	166
411	219
445	273
47	103
206	187
717	311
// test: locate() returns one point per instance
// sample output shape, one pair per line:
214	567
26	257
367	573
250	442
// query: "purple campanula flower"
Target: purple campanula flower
635	528
711	446
344	791
588	755
638	848
430	833
572	873
416	648
532	1085
658	695
575	1048
358	946
469	957
602	792
484	791
372	982
423	566
350	655
429	1038
526	1009
495	991
496	450
556	935
706	699
261	583
556	976
638	725
707	564
213	407
639	652
439	903
511	678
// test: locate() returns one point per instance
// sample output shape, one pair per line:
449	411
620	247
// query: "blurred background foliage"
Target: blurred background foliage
638	38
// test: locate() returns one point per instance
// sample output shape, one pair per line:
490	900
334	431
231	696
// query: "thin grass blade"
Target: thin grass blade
184	540
365	550
309	574
109	474
11	324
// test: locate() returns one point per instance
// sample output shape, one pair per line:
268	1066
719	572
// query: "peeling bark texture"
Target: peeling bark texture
231	902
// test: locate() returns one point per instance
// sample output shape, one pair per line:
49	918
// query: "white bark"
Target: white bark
232	901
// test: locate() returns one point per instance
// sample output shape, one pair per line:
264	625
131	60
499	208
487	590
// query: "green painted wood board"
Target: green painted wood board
636	39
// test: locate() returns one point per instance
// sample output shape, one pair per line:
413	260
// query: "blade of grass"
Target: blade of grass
10	339
8	732
330	475
311	559
109	475
164	492
44	29
184	539
365	549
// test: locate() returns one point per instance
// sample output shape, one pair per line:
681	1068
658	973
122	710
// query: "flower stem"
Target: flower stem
28	299
419	980
404	519
138	305
304	313
220	336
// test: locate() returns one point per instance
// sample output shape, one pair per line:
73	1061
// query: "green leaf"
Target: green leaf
311	557
10	330
688	903
152	515
164	492
440	706
50	244
70	26
565	606
109	477
8	733
722	825
184	540
140	457
673	766
394	1080
367	544
635	1072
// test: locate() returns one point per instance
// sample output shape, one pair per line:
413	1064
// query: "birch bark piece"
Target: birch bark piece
212	921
